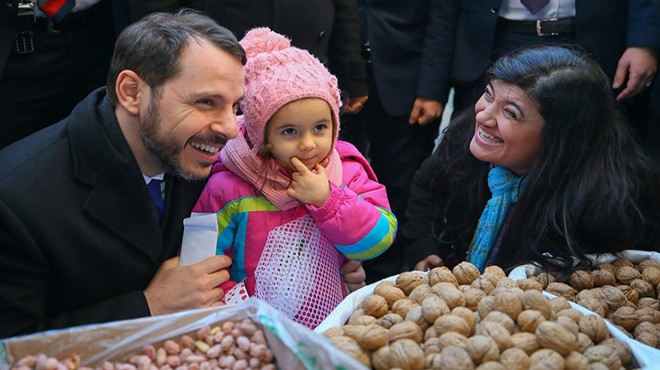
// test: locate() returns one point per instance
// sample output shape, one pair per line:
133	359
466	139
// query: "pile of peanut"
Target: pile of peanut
461	319
229	346
623	292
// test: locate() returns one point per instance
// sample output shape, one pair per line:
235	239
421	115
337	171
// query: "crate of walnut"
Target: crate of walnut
252	335
621	288
461	319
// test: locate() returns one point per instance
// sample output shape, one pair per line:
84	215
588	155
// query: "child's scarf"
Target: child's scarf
503	185
246	162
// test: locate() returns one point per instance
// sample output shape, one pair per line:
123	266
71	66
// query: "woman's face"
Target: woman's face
507	128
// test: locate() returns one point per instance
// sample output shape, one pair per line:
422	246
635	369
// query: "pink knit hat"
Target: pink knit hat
276	74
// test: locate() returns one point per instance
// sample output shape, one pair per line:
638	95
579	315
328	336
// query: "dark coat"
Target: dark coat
328	29
79	235
409	42
605	28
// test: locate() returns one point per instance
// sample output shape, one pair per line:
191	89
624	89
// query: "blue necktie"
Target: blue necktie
534	5
156	195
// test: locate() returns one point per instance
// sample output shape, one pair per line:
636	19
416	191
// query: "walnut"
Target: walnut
576	361
528	320
572	313
526	342
535	300
515	359
432	345
559	303
402	306
491	365
546	359
389	319
373	337
441	275
482	348
594	327
359	318
433	307
568	324
333	332
354	331
406	355
389	292
626	317
352	348
452	338
561	290
465	273
494	270
380	359
506	282
455	358
603	277
430	333
447	323
529	284
648	263
497	332
508	303
596	305
407	281
651	275
433	361
415	315
449	293
649	315
466	314
620	262
472	297
646	326
502	318
374	305
621	349
420	292
648	339
405	330
626	274
554	336
584	342
649	302
630	293
581	280
483	283
614	297
607	267
604	355
642	287
545	279
485	305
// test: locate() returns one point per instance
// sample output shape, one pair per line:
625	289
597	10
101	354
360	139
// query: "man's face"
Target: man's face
189	119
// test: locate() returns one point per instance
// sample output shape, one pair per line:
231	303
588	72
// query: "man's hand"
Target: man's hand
175	288
639	65
309	186
354	105
424	111
353	274
429	263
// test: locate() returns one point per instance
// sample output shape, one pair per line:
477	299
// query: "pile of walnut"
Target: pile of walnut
624	293
459	319
232	346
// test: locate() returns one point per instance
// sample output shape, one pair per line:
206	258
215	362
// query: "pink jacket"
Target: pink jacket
292	258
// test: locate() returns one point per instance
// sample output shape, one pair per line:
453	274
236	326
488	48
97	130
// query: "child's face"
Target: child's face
301	129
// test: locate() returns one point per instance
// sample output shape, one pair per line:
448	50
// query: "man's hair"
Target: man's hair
152	47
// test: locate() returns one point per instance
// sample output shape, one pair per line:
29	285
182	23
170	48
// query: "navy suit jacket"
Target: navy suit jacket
605	28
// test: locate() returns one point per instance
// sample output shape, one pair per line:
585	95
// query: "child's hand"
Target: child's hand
309	186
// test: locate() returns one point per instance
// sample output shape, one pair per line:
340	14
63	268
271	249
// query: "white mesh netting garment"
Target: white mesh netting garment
299	272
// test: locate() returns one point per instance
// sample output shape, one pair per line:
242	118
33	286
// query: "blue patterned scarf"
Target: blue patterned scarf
503	185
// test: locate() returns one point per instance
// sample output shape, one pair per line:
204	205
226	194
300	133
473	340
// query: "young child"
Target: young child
292	201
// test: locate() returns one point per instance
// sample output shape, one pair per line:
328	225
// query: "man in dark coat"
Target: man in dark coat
80	239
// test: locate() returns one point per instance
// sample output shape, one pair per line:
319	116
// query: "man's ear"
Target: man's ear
129	88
